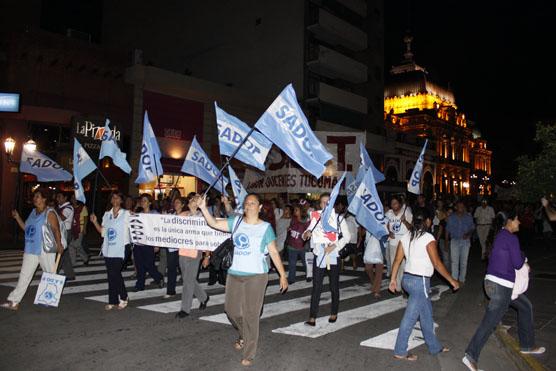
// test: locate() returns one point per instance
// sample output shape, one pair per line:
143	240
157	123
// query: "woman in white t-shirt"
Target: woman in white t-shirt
419	249
399	223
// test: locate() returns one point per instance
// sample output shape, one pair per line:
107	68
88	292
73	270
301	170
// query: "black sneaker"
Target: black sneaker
212	283
309	279
203	305
86	262
182	314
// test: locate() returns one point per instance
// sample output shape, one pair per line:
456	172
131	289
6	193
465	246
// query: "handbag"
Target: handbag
48	239
223	256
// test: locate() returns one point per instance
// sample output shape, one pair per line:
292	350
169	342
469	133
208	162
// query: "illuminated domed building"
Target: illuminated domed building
417	108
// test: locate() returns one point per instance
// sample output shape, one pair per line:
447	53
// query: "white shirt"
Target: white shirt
67	212
352	227
319	238
282	226
417	258
395	224
484	215
115	233
278	213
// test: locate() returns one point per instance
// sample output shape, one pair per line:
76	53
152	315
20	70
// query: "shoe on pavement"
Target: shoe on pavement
168	296
537	350
470	364
10	305
182	314
203	305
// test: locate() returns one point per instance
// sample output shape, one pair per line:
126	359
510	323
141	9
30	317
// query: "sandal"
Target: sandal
409	357
445	350
377	295
10	305
238	345
247	362
110	306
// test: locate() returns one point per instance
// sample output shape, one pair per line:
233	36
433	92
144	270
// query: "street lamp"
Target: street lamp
30	145
9	145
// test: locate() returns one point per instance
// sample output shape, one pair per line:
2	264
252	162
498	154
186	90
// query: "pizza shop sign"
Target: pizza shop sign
89	132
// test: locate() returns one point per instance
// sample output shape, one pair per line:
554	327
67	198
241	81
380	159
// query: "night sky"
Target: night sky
498	57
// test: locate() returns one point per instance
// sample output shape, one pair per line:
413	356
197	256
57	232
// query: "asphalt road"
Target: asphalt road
80	335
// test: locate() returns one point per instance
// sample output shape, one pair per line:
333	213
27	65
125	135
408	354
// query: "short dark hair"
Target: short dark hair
44	192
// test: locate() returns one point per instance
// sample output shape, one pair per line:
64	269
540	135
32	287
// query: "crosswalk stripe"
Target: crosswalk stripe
149	294
92	267
292	305
388	339
350	317
175	306
17	262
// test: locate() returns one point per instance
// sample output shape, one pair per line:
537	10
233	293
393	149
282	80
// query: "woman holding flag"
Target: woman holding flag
115	233
253	240
34	255
326	247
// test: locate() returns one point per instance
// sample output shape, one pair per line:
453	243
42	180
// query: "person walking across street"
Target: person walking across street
144	255
460	227
172	255
78	231
506	258
115	233
420	251
189	264
399	218
34	253
484	215
295	243
65	211
374	262
248	276
326	248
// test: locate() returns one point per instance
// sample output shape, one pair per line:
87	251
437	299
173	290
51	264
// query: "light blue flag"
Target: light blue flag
82	166
197	163
110	148
414	183
351	186
285	124
239	191
232	131
150	167
366	163
44	168
367	207
330	207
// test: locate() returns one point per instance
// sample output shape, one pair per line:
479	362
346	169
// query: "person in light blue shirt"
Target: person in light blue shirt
253	240
34	254
460	227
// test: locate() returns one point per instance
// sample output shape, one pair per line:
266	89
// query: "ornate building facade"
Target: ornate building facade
417	108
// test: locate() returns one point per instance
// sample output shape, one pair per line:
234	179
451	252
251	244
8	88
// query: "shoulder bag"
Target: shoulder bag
222	257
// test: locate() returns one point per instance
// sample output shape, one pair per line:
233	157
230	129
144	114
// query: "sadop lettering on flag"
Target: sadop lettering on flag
197	163
330	206
367	207
82	166
231	133
110	148
150	167
239	191
414	183
285	124
42	166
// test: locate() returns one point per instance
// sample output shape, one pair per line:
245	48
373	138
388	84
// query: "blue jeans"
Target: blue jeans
293	255
419	307
459	252
500	301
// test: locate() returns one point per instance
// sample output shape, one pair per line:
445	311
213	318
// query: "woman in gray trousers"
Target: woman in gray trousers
189	265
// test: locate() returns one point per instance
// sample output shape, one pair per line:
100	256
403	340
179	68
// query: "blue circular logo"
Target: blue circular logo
111	234
30	231
241	241
397	226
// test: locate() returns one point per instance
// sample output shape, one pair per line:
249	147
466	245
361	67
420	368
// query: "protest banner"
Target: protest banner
285	176
174	231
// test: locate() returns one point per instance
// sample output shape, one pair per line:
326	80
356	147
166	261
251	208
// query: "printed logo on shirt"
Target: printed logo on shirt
241	241
397	226
111	234
30	231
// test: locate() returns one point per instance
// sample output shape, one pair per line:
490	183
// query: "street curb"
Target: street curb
512	348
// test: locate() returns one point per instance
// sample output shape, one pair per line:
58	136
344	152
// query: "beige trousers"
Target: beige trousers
28	268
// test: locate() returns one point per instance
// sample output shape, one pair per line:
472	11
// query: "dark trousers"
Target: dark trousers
500	301
318	277
144	261
217	276
172	259
127	257
116	285
293	255
65	264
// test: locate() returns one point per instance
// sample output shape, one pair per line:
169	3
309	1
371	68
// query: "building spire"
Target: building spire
408	55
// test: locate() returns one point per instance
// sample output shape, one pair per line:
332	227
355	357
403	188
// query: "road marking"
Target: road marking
388	339
175	306
92	267
350	317
304	302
